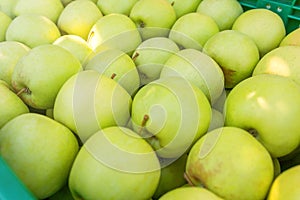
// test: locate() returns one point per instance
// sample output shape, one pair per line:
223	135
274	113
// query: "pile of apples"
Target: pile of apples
149	99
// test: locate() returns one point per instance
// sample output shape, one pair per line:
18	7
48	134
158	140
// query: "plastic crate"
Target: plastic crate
288	10
10	186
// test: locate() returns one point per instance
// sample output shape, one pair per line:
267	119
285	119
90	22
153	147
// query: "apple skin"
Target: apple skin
11	52
5	21
89	101
285	186
10	104
192	30
32	30
114	62
291	39
99	172
48	8
282	61
183	7
124	36
231	163
177	114
115	6
150	56
235	52
76	45
85	13
154	18
224	12
40	77
257	106
265	27
40	151
199	69
190	193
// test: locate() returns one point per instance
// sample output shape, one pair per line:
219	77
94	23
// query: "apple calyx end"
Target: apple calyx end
253	132
173	2
24	90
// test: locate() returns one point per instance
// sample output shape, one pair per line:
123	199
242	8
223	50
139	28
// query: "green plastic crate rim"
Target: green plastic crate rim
288	10
11	188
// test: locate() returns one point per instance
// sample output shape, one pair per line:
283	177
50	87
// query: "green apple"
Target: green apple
171	114
150	56
76	45
7	7
11	105
5	21
11	52
117	65
183	7
48	8
285	186
190	193
89	101
192	30
199	69
231	163
115	163
40	151
235	52
265	27
32	30
124	35
268	107
292	38
217	120
78	17
38	77
115	6
224	12
282	61
172	175
154	18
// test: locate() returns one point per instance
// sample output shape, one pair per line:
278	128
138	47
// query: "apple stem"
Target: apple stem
113	75
187	178
136	54
173	2
145	119
24	90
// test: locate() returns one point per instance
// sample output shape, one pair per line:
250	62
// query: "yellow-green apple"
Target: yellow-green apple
171	114
192	30
231	163
154	18
190	193
172	175
115	163
183	7
7	7
32	30
150	56
265	27
40	151
115	6
48	8
256	106
199	69
282	61
285	186
217	119
39	75
11	105
235	52
89	101
11	52
76	45
292	38
78	17
224	12
123	36
5	21
117	65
